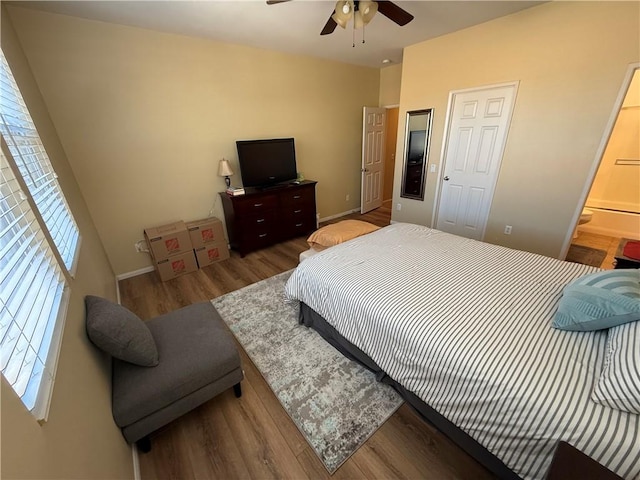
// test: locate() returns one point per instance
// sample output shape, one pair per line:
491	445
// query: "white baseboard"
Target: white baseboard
135	273
331	217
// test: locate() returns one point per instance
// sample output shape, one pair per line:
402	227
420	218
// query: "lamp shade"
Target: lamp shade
224	169
343	12
366	11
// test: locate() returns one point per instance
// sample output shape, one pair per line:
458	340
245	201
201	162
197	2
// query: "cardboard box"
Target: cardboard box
206	231
168	240
176	265
211	253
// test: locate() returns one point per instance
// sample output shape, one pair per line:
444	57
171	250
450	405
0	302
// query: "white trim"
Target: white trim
331	217
135	273
445	137
604	141
117	290
76	257
136	462
45	393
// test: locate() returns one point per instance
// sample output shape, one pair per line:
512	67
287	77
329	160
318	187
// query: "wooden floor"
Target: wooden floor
253	437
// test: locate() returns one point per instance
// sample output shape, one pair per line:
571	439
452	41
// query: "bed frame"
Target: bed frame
312	319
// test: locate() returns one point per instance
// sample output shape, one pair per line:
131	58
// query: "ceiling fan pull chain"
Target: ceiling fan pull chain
354	35
362	33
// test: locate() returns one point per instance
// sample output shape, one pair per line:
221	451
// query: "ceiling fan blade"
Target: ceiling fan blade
329	27
394	12
273	2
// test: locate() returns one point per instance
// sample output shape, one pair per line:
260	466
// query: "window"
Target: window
39	242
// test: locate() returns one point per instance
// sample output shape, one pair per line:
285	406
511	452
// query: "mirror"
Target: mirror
416	153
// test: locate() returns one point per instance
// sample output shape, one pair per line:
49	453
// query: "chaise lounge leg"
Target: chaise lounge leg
144	444
237	389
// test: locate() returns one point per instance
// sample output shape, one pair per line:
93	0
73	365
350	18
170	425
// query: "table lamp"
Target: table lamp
224	170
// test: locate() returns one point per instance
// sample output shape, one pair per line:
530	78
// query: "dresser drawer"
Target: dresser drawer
259	222
300	210
298	196
252	205
257	239
297	226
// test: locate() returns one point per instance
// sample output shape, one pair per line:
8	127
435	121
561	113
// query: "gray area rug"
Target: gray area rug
585	255
335	402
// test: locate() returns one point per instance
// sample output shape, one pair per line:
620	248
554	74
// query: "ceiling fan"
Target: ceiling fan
362	12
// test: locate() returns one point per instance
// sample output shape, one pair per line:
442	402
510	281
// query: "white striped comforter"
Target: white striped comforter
465	325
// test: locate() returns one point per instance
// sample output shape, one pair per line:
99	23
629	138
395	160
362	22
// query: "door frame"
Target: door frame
595	165
445	142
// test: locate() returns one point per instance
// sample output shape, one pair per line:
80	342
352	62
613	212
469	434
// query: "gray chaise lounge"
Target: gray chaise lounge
196	356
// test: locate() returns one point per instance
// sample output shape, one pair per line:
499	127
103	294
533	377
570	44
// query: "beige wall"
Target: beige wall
390	82
144	118
80	439
570	59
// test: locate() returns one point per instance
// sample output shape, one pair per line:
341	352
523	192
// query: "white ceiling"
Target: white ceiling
293	26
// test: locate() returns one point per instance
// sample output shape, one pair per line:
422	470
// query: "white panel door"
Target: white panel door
479	122
373	132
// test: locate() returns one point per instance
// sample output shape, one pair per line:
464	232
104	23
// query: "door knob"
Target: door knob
446	179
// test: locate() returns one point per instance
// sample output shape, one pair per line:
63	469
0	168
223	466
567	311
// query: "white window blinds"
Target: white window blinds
31	288
31	158
34	220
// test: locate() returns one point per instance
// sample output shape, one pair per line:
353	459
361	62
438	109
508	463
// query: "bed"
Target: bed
463	330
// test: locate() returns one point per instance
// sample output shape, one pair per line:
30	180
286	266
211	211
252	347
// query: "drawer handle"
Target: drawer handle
257	204
263	235
260	220
297	211
298	224
296	196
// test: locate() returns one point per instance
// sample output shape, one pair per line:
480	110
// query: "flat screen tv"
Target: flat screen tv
416	145
267	162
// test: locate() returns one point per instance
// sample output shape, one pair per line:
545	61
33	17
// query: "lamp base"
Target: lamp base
227	180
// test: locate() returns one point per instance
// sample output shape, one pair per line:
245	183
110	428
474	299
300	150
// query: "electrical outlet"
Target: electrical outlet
347	197
141	246
507	230
399	206
433	168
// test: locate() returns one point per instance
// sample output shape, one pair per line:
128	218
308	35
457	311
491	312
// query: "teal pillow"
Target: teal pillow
599	300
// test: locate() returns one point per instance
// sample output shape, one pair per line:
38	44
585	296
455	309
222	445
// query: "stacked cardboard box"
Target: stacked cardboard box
207	238
171	250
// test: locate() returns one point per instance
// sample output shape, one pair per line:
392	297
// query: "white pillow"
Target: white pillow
619	383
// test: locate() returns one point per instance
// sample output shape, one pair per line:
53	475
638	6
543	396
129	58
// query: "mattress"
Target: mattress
465	326
306	254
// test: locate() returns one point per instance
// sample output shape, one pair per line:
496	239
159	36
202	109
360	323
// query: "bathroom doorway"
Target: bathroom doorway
613	201
611	206
614	197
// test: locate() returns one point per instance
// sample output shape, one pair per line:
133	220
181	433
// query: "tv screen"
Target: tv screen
416	146
267	162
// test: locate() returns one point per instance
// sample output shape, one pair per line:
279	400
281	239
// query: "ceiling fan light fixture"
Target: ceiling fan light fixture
343	12
367	10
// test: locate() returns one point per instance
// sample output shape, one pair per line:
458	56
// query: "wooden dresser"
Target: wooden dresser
262	217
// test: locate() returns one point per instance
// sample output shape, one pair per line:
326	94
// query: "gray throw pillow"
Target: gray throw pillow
120	332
